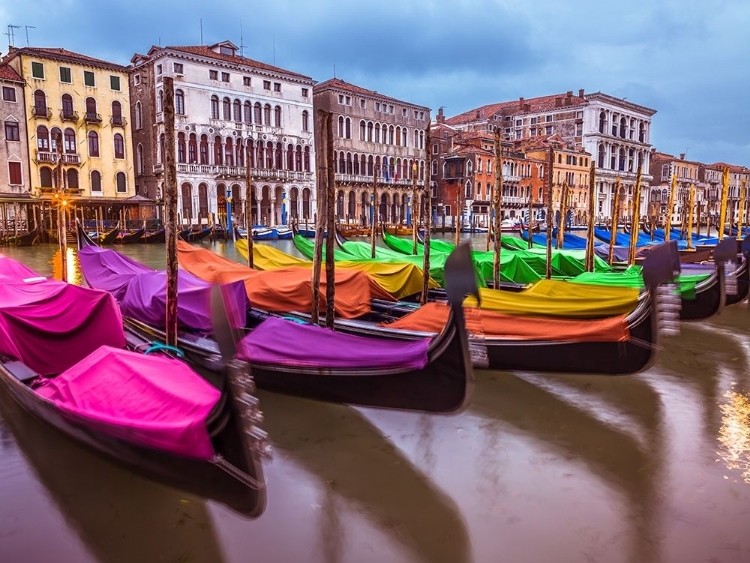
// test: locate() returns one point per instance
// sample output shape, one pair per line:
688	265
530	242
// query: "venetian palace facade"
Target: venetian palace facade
228	109
79	140
374	136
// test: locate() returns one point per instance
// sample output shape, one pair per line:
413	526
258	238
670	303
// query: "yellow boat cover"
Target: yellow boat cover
399	279
554	298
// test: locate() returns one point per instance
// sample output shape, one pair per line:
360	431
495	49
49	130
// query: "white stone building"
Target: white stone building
228	109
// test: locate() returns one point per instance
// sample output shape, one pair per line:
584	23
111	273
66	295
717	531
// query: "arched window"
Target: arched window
160	154
119	146
139	159
70	141
227	109
341	126
42	138
138	115
160	101
204	150
298	159
390	135
307	158
348	130
179	102
121	182
93	143
96	181
434	167
202	200
192	149
369	131
45	177
602	122
67	106
290	157
602	156
305	121
623	127
279	159
181	148
72	178
214	107
91	108
258	113
267	114
469	167
642	133
277	116
237	111
217	151
362	130
398	136
40	103
117	113
228	152
377	133
248	107
239	153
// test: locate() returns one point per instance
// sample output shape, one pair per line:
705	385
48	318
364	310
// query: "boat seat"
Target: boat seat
20	371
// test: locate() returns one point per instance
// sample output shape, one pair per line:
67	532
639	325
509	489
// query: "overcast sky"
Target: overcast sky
687	59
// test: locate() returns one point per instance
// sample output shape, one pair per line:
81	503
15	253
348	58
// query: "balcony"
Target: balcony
52	158
159	168
69	116
118	121
239	172
41	112
71	159
90	117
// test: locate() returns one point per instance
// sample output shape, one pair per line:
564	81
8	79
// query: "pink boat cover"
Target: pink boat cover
142	292
152	401
50	325
283	342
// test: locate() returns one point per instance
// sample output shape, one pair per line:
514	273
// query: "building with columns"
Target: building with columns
230	112
614	131
375	136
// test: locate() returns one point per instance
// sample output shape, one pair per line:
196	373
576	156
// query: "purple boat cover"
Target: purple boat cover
621	252
142	292
278	341
152	401
50	325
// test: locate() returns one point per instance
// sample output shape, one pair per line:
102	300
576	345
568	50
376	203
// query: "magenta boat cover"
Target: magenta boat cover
142	292
152	401
50	325
278	341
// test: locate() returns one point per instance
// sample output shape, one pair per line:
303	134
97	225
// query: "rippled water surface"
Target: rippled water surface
540	468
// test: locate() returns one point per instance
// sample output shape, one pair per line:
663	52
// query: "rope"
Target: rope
157	347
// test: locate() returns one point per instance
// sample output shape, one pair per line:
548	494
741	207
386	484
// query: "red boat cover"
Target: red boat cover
314	346
151	401
432	317
50	325
288	289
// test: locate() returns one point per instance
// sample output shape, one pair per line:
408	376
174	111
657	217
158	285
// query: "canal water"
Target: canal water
540	468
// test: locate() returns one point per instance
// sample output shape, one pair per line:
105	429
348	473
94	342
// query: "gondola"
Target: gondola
26	239
415	372
110	237
153	237
189	235
130	238
82	381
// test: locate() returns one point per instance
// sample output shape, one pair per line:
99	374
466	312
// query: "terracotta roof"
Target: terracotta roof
338	84
7	73
205	51
58	53
542	103
732	167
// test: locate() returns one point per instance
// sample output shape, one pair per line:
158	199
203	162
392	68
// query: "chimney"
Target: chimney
580	93
520	103
440	116
478	114
682	156
558	101
526	107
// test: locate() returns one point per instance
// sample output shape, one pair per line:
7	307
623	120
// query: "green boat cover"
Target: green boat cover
631	277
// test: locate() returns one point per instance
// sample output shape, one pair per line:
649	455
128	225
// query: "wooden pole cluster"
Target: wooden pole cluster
373	227
415	207
741	220
497	206
170	203
691	206
459	207
670	205
427	220
549	212
635	224
590	231
615	221
563	210
249	206
724	197
321	159
61	202
530	226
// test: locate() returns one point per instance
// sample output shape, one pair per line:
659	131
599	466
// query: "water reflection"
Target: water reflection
119	516
360	466
734	434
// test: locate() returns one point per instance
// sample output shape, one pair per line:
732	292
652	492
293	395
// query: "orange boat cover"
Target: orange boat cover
433	316
284	290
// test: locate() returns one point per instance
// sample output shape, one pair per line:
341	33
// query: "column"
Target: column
272	218
258	194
